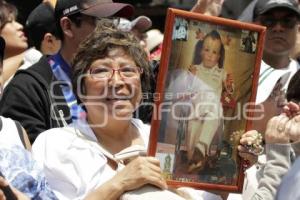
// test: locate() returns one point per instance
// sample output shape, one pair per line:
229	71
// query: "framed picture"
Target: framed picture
205	99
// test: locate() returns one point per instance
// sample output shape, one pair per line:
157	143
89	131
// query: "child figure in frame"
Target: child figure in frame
207	108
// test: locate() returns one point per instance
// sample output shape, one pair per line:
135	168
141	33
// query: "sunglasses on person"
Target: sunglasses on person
285	22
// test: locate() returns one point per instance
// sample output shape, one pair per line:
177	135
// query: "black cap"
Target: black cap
263	6
259	7
40	21
95	8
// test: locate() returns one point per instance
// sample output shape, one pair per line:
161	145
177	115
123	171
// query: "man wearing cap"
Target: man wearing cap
281	18
41	97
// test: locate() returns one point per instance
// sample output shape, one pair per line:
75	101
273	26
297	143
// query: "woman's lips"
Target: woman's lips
22	36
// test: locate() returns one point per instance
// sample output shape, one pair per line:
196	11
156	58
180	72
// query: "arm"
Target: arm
139	172
292	110
278	157
208	7
52	2
278	163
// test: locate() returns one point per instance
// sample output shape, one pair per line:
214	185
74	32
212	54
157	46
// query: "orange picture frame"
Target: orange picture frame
207	84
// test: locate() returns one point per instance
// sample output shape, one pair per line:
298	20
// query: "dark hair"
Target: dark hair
293	91
36	31
6	10
36	39
97	45
216	36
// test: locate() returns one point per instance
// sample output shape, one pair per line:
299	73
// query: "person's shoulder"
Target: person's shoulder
57	135
55	139
38	73
9	133
32	56
4	120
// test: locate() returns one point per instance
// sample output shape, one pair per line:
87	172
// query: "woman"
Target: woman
16	41
282	139
16	162
110	73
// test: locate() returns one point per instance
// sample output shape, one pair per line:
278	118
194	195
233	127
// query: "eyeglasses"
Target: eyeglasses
287	22
104	72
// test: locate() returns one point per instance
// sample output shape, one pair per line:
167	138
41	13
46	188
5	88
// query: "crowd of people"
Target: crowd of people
69	102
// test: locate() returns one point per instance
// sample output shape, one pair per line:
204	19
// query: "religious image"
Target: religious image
208	82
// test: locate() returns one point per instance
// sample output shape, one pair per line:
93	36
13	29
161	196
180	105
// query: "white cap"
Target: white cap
154	38
268	78
141	23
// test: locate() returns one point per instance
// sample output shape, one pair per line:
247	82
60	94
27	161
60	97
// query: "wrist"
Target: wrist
118	186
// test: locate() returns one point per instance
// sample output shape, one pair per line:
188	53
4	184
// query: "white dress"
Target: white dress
208	110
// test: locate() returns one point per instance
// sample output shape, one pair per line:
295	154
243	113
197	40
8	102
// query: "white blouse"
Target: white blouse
73	161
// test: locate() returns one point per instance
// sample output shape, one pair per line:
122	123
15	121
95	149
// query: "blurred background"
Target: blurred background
154	9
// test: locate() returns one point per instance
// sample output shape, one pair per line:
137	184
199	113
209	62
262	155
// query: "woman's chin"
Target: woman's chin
122	114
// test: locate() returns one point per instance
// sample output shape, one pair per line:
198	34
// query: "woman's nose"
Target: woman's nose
18	25
116	78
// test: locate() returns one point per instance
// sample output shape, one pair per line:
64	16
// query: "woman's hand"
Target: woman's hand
292	110
293	129
276	131
248	139
139	172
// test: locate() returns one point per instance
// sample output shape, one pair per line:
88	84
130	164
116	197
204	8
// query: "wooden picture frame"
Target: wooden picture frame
195	96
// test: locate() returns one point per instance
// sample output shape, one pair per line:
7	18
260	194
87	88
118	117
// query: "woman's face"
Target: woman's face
210	52
116	95
16	41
